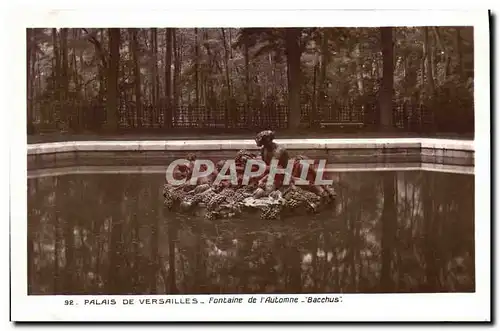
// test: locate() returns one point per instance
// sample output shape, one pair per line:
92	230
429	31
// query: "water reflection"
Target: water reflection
390	232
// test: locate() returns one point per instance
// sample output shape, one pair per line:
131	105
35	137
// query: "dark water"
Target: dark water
391	232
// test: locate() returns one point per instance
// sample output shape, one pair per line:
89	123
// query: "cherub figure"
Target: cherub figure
269	149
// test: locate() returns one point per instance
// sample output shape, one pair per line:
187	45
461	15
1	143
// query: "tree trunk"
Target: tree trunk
203	87
102	71
38	72
176	45
168	78
112	96
386	90
196	57
230	43
460	64
359	71
64	64
433	67
230	111
428	62
247	77
293	54
273	78
325	57
134	43
57	66
208	71
226	64
314	110
66	108
82	66
75	70
155	78
35	76
445	54
422	72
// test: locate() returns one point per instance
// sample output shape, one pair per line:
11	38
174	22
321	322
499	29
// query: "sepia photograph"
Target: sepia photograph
255	168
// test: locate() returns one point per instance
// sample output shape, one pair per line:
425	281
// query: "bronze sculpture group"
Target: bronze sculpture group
271	199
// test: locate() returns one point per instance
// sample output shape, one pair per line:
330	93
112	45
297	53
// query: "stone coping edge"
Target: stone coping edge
217	145
86	170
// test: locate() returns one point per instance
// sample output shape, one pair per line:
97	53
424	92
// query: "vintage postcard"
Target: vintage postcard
251	166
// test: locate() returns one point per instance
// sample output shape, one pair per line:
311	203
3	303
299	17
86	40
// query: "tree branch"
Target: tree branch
98	47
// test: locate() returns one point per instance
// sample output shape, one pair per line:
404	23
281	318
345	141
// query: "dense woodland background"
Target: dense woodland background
167	79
